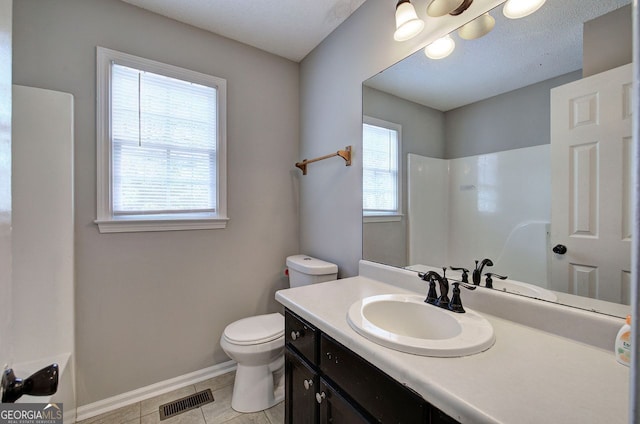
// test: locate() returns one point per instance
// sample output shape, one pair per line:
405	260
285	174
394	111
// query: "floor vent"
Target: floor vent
185	404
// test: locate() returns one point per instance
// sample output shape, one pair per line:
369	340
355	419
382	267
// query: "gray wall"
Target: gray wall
423	130
331	117
607	41
152	306
6	339
513	120
422	134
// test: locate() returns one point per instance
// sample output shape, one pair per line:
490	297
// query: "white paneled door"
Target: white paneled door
591	186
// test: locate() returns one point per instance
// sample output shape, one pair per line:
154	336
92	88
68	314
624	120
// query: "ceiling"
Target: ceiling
517	53
287	28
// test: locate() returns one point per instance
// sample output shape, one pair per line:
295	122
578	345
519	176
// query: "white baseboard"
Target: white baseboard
124	399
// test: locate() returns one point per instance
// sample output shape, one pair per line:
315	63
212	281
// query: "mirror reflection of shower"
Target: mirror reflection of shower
490	97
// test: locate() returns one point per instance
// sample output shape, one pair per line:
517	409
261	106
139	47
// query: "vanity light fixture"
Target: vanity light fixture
477	28
408	25
516	9
439	8
440	48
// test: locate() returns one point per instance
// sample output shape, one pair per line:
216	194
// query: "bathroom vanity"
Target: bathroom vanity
327	382
531	374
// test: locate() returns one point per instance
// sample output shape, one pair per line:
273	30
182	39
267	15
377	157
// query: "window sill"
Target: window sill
382	218
135	225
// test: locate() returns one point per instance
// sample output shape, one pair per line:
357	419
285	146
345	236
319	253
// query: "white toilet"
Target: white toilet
257	343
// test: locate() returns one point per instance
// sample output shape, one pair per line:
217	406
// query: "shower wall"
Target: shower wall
495	206
43	235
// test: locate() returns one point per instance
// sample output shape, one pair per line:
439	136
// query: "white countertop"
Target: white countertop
528	376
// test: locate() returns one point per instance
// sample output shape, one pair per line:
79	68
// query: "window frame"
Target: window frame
106	220
396	215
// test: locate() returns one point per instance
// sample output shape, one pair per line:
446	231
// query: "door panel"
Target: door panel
591	186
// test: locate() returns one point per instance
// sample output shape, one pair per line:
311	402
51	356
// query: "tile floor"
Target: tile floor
217	412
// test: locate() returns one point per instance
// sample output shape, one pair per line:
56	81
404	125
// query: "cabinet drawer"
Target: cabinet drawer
302	336
384	398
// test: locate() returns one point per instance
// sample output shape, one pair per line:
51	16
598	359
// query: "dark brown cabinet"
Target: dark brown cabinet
335	408
328	383
300	390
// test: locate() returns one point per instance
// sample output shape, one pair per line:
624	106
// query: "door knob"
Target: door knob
308	383
320	396
560	249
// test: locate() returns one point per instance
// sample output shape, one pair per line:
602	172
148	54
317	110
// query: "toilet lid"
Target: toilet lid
255	330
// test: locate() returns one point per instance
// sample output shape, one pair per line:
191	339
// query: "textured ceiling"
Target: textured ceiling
287	28
515	54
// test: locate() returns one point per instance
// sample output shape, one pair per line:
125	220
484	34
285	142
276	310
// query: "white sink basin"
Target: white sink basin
408	324
524	289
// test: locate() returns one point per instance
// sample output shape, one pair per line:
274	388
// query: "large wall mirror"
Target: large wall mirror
506	150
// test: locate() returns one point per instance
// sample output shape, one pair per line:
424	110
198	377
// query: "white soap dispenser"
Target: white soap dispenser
623	343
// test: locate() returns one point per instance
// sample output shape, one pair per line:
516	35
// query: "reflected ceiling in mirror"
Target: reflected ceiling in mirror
515	54
527	57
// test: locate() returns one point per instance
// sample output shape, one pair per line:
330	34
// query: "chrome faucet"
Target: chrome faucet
477	272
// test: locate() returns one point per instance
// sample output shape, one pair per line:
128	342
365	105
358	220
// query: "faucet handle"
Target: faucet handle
427	276
455	305
489	281
430	277
465	273
432	295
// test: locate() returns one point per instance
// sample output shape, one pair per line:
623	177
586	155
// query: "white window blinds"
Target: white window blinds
380	169
163	152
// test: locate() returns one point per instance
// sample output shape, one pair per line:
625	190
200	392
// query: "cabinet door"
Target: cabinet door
335	409
301	385
439	417
381	396
302	336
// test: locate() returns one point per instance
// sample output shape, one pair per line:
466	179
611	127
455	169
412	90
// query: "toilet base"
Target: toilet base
258	387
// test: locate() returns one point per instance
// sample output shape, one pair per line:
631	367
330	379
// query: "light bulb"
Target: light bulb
516	9
477	28
439	8
408	25
440	48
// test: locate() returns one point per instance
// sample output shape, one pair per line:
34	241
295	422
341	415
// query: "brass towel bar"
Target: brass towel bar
344	154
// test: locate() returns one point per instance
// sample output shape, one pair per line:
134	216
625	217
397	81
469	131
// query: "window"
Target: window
160	146
381	191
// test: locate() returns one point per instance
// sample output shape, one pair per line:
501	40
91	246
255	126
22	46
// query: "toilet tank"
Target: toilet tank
304	270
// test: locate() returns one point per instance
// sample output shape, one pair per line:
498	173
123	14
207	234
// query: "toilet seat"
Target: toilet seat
255	330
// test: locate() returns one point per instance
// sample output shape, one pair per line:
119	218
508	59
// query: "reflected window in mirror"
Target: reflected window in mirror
381	195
